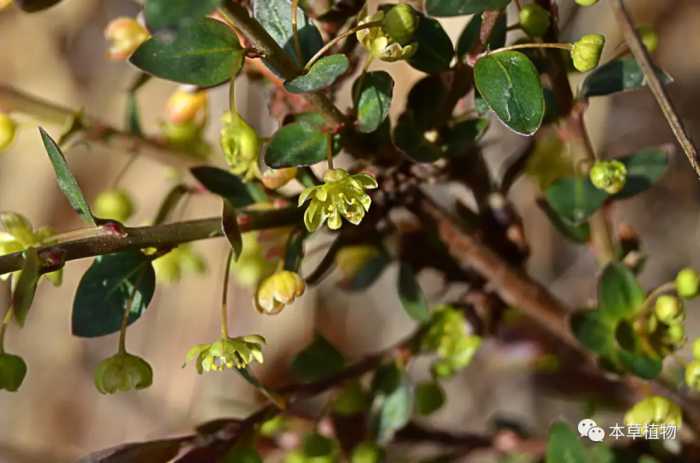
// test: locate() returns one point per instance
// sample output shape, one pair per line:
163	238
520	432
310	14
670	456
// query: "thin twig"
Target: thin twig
641	54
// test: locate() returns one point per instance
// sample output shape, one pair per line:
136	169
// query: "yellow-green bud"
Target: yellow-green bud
367	452
12	372
277	178
352	400
534	20
586	52
654	410
400	23
609	176
429	397
692	375
241	146
380	44
123	372
668	309
675	334
8	128
167	268
277	291
5	4
649	37
114	205
185	106
586	2
125	35
696	349
688	283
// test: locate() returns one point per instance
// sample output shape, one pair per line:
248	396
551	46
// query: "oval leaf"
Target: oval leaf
294	251
224	184
471	32
574	199
105	291
32	6
297	144
435	50
229	226
644	168
462	7
510	85
619	293
374	92
66	182
620	75
175	14
318	361
321	75
564	445
411	295
207	53
24	291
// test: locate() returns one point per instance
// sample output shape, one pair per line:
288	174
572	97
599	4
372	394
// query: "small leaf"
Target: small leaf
296	144
321	75
564	445
462	7
579	233
411	140
32	6
640	365
229	226
430	397
224	184
109	285
66	182
294	251
574	199
374	92
594	331
392	406
23	294
470	35
619	293
318	361
276	17
160	451
510	85
411	295
206	53
644	168
435	50
175	14
620	75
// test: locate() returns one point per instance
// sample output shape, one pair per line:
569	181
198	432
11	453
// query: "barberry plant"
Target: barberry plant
369	179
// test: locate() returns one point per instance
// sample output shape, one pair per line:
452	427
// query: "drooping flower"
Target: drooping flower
277	291
226	353
123	372
125	35
380	44
241	146
341	195
277	178
186	106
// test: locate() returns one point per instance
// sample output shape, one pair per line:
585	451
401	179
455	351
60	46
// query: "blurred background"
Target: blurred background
58	416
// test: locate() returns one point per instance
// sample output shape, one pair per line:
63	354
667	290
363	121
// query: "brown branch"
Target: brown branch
641	54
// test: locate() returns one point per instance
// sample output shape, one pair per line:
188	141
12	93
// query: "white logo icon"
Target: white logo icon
588	428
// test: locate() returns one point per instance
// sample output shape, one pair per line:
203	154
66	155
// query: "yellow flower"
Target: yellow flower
123	372
227	353
125	36
277	291
379	44
8	128
241	146
341	195
277	178
656	410
186	106
586	52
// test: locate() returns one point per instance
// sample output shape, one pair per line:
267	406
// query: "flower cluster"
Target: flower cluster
341	195
665	325
123	372
448	337
241	146
227	353
390	41
654	410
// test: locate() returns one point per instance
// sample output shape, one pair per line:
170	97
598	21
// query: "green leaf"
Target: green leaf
459	137
470	35
411	295
32	6
644	168
579	233
564	445
113	283
294	251
640	364
66	182
23	294
393	402
224	184
321	75
160	451
368	275
430	397
374	92
297	144
574	199
435	50
229	226
206	53
594	331
318	361
176	14
619	293
241	454
620	75
510	85
411	139
462	7
276	17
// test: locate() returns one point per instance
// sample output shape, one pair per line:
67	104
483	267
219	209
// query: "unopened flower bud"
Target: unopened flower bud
649	37
586	52
668	309
367	452
123	372
534	20
241	146
688	283
277	291
655	410
13	369
380	44
185	106
692	375
114	205
8	128
277	178
586	2
609	176
125	35
400	23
